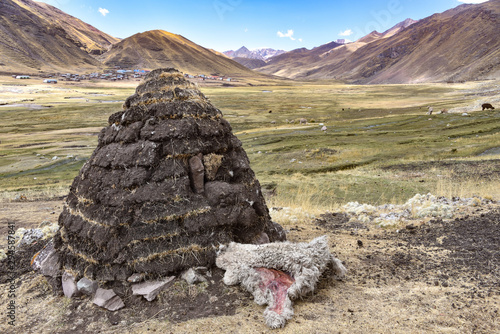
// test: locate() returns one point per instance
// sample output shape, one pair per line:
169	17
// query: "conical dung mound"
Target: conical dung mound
167	183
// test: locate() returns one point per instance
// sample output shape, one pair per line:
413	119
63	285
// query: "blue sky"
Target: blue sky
229	24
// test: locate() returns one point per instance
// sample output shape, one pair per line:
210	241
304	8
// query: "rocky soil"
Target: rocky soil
429	274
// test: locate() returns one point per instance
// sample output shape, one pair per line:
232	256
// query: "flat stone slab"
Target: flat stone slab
47	261
108	299
150	289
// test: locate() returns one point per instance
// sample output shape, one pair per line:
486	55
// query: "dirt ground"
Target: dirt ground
438	277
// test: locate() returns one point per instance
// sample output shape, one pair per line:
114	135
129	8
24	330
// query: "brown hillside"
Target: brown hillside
158	48
459	44
292	64
302	62
250	63
87	37
31	43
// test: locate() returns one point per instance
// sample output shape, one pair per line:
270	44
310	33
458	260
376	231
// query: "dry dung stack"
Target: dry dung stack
167	183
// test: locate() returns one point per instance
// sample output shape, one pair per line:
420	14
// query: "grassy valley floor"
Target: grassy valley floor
433	275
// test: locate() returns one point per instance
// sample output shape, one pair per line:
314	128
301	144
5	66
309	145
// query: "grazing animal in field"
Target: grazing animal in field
303	121
276	273
487	106
430	110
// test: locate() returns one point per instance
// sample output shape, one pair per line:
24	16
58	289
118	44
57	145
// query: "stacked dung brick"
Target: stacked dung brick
167	184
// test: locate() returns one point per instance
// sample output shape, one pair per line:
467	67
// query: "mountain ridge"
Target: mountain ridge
456	45
263	54
158	48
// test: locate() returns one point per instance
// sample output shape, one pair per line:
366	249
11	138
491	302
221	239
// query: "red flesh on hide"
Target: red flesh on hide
278	283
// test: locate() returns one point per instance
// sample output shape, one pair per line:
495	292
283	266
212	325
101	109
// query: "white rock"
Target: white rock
192	277
136	278
27	237
69	286
87	286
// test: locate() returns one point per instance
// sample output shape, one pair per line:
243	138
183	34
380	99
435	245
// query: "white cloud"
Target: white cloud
103	11
288	34
348	32
300	40
472	1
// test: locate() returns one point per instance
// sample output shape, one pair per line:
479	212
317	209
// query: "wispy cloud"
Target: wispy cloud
472	1
347	32
103	11
288	34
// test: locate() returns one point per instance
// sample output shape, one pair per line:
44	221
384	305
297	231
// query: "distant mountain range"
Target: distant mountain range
459	44
260	54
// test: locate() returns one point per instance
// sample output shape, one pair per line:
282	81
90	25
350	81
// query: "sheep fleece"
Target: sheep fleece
304	262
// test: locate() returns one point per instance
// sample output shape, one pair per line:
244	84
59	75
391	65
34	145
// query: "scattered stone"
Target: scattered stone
324	128
192	276
150	289
86	286
417	207
69	286
27	237
21	198
465	114
47	261
3	255
136	278
108	299
360	243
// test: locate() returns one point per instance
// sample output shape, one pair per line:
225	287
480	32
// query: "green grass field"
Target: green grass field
379	146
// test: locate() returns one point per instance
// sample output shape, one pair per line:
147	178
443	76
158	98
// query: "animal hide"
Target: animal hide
276	273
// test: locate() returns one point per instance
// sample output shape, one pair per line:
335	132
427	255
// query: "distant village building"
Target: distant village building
50	81
23	77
